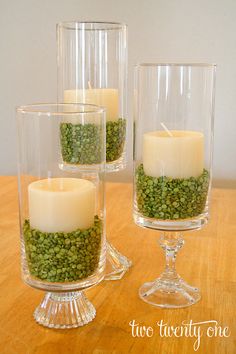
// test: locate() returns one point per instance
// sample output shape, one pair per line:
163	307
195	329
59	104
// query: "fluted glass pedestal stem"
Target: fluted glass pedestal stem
169	290
64	310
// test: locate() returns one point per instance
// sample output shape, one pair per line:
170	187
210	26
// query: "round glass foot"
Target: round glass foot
169	294
64	310
117	264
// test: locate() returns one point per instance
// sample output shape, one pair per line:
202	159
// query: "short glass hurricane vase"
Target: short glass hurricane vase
174	109
62	219
92	68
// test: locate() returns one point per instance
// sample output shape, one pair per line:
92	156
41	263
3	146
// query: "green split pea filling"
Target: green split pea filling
81	144
166	198
63	257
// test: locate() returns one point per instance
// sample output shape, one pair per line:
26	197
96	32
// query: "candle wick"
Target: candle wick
166	129
89	85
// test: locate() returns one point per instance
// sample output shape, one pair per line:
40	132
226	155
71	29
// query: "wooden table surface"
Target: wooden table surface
207	260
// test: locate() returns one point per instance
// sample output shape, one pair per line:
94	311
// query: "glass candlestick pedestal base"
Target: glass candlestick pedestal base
117	264
169	290
64	310
162	293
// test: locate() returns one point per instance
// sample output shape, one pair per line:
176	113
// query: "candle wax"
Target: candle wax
61	204
178	156
107	98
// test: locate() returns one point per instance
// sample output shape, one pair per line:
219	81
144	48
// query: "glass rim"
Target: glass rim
108	25
44	109
175	64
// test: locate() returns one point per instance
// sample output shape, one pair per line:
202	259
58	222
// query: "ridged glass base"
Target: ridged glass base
169	294
117	264
64	310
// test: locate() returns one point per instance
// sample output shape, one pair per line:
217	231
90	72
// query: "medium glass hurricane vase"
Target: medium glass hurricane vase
62	219
174	108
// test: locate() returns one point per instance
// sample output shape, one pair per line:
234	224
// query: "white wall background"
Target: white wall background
159	30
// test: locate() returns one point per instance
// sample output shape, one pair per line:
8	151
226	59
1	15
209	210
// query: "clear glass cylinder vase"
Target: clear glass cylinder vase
173	144
92	68
61	213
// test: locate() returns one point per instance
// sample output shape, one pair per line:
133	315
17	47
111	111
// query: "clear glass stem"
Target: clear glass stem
170	290
171	242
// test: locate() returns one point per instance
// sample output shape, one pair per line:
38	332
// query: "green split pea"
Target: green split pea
81	144
166	198
63	257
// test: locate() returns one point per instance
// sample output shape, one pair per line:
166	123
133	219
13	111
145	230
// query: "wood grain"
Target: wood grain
207	260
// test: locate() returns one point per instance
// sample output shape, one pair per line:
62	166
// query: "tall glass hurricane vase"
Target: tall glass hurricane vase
61	215
92	68
174	108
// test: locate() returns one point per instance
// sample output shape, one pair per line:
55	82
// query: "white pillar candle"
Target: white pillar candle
61	204
178	156
107	98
